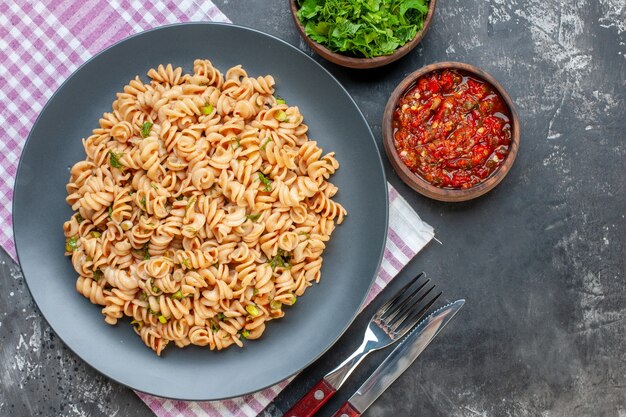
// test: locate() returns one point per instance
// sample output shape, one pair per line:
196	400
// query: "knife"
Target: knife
399	360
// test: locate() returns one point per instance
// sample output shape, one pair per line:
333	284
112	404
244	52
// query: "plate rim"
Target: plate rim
258	33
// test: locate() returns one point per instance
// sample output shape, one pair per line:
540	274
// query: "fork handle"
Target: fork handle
312	401
347	410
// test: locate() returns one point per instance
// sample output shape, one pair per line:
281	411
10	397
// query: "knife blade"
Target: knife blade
399	360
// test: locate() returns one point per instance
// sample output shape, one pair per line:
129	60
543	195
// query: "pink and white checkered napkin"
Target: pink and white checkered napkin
407	235
43	42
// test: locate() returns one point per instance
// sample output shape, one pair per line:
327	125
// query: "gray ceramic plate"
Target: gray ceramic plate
311	326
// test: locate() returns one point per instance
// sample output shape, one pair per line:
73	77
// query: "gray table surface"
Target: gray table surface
540	259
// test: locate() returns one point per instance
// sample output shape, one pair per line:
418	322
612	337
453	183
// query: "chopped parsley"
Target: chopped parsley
114	159
281	116
266	182
97	275
245	334
252	310
110	210
280	100
235	143
145	129
71	244
95	233
79	218
186	263
153	185
178	295
220	316
206	110
254	217
265	144
281	260
146	253
143	201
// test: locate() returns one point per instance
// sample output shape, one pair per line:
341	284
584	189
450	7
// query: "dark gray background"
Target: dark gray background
540	259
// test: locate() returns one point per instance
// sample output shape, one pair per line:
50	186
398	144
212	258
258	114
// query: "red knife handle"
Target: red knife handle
347	410
312	401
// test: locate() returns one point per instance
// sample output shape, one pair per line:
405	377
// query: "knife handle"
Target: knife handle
347	410
312	401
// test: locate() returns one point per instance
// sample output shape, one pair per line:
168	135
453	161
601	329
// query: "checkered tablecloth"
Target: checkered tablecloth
43	42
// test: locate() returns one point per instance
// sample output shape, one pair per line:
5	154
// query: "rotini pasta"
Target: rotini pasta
201	208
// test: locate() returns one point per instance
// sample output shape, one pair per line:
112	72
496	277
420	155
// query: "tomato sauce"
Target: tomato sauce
452	129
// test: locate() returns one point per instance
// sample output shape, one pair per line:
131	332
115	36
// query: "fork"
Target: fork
388	325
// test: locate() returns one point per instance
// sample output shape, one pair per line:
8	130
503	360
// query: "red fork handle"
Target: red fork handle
347	410
312	401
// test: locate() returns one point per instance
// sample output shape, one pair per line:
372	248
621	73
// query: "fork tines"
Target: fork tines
409	305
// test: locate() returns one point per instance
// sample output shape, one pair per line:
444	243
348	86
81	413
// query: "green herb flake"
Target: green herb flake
153	185
143	296
97	275
220	316
281	260
162	319
79	218
186	263
252	310
235	144
255	291
254	217
206	110
110	210
266	182
95	233
245	334
145	129
268	140
275	305
178	295
155	289
362	28
143	201
293	300
281	116
114	160
71	244
280	100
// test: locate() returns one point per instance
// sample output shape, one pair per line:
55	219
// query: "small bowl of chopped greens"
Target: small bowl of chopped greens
362	33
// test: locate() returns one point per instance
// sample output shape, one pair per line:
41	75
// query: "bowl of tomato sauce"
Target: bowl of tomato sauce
451	131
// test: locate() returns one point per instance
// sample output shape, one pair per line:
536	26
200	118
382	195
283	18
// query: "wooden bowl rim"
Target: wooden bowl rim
363	63
415	181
